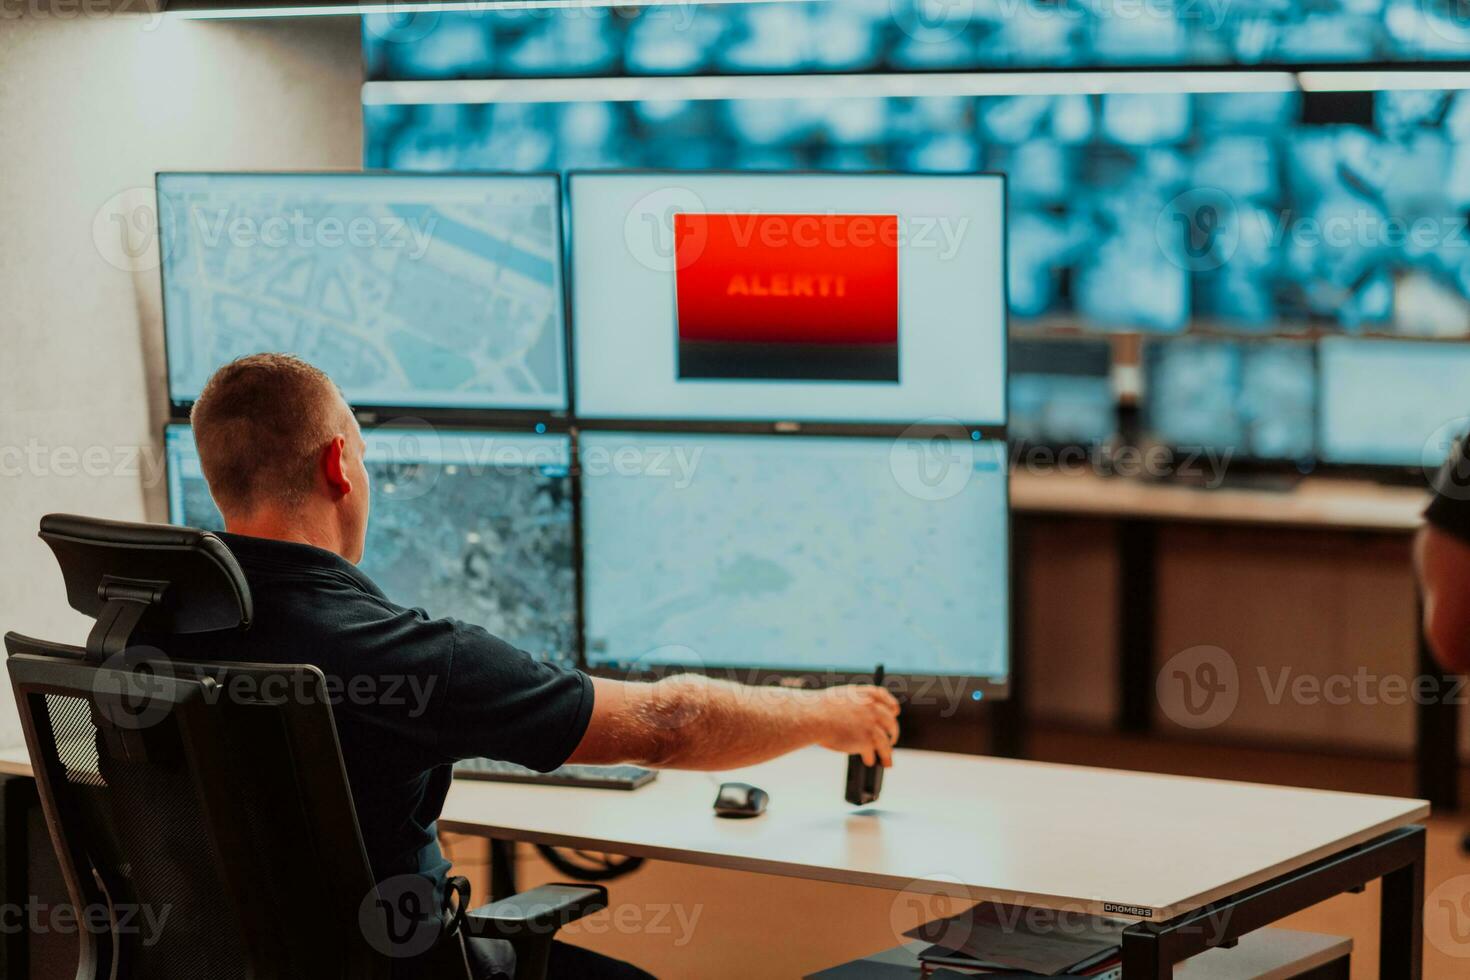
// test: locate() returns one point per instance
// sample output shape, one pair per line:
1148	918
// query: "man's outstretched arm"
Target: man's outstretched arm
693	722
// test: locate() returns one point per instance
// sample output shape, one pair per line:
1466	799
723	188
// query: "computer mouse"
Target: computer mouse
739	800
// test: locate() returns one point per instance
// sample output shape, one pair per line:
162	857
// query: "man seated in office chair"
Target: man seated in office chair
283	457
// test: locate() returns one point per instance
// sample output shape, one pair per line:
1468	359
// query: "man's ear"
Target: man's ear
334	467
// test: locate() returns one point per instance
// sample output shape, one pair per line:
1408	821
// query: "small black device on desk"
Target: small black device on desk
864	783
583	777
740	800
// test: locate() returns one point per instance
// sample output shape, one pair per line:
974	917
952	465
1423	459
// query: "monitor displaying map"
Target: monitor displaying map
410	291
796	553
477	526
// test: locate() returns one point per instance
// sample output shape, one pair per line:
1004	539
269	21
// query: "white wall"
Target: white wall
90	108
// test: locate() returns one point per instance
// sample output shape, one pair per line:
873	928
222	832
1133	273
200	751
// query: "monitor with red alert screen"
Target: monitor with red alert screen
828	298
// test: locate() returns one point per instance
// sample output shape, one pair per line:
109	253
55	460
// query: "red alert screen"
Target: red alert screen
787	296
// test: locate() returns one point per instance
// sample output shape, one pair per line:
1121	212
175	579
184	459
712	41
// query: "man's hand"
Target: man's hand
859	720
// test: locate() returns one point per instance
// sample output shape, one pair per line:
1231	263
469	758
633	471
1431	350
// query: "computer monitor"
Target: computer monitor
1253	399
1062	392
796	553
412	292
1394	403
474	525
789	297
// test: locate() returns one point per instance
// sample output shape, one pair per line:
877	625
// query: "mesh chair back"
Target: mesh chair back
201	814
200	811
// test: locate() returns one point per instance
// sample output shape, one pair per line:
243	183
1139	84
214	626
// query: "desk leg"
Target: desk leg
1437	733
1143	957
1137	636
1151	949
1401	921
502	869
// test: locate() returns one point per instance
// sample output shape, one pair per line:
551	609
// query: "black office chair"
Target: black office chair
214	794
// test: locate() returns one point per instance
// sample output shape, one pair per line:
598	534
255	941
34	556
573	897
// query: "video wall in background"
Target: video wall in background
1259	212
905	35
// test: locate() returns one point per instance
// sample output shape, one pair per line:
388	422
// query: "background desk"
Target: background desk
1139	509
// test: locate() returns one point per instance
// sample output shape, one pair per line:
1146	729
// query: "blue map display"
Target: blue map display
477	526
411	292
802	553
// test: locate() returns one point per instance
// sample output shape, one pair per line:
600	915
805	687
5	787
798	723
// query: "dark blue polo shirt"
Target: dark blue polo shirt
411	694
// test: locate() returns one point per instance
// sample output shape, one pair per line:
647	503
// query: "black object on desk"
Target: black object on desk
864	783
740	801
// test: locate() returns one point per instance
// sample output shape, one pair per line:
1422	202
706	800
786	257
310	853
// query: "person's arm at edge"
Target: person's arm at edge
1442	562
693	722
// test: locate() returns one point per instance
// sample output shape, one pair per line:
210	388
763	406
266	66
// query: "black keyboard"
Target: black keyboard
584	777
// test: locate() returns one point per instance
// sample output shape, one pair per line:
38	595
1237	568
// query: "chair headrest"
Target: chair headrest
199	584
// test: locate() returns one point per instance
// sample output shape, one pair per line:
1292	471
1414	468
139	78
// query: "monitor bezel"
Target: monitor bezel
989	687
374	413
989	430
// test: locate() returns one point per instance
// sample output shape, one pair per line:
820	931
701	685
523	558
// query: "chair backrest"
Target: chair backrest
200	811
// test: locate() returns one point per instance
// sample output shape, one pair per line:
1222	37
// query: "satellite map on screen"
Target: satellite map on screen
469	525
810	553
408	291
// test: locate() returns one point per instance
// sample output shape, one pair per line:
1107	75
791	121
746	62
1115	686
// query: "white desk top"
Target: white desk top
1023	833
1318	502
1016	832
